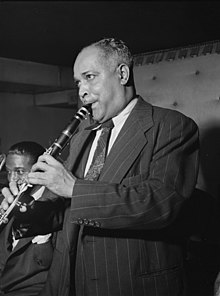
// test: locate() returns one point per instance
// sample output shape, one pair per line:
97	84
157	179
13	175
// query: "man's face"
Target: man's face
17	167
99	84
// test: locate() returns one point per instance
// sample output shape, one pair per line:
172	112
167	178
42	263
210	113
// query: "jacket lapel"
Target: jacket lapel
21	243
129	143
79	143
5	244
127	147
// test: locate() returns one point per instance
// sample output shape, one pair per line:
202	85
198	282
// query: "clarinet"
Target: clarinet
2	160
54	150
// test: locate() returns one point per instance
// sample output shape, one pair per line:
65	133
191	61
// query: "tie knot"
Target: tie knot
108	124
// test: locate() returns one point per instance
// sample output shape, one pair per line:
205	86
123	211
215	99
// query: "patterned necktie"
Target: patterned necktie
100	152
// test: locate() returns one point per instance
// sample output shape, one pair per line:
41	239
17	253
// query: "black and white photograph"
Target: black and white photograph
109	148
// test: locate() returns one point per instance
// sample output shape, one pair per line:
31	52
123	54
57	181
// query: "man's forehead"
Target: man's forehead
88	59
90	50
89	53
18	158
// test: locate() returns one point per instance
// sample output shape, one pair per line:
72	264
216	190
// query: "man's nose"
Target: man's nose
13	176
83	93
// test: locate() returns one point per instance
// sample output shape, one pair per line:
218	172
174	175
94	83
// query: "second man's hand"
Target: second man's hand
9	197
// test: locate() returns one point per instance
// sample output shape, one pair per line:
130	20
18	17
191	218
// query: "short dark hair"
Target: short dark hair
32	149
116	49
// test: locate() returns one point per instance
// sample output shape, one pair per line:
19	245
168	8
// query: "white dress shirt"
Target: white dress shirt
118	121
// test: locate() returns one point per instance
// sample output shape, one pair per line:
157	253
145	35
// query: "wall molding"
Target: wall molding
178	53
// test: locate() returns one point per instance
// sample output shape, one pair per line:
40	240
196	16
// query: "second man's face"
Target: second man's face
17	167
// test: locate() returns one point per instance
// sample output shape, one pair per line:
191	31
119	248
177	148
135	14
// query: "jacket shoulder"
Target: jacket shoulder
160	113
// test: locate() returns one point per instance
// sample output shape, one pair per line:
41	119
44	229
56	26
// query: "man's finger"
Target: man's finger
39	166
8	195
13	187
4	205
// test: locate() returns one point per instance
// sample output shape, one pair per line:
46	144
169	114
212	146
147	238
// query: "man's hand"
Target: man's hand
47	172
9	196
51	173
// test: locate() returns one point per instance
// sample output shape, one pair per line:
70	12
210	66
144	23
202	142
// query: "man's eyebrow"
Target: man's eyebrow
82	74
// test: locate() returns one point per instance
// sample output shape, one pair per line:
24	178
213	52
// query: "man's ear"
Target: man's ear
124	73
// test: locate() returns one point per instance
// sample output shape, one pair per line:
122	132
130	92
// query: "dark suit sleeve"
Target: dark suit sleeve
157	184
42	217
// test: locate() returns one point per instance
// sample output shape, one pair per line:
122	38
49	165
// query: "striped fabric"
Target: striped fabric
121	236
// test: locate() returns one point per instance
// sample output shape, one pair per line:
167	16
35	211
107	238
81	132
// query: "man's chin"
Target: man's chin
96	118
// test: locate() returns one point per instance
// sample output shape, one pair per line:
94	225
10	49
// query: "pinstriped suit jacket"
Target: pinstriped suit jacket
121	230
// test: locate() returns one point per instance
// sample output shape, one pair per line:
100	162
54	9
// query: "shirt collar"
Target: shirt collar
123	115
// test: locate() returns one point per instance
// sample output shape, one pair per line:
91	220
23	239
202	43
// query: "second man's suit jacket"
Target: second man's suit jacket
23	270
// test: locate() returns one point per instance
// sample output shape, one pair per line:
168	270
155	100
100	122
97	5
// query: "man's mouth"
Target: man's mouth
94	105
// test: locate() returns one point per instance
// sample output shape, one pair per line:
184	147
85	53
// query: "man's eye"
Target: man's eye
90	76
20	172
